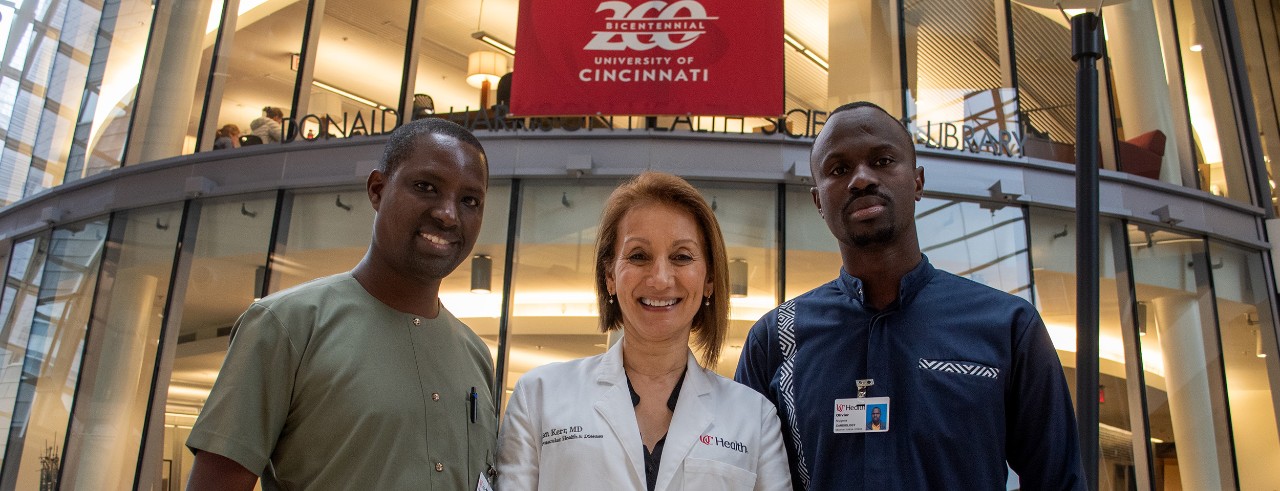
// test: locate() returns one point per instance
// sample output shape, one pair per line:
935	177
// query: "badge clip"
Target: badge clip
863	385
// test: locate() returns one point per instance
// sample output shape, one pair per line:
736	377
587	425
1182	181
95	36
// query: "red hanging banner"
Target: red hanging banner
655	57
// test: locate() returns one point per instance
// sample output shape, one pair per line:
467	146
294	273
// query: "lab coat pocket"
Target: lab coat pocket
711	474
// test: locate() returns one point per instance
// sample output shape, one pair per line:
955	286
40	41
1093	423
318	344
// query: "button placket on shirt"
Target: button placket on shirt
435	396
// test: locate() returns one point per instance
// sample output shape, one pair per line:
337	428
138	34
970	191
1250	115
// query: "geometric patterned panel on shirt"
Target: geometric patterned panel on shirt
786	382
962	367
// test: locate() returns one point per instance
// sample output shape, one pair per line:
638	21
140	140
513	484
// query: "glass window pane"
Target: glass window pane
440	82
108	103
982	242
22	285
111	402
358	68
858	73
958	76
228	263
323	232
23	83
804	78
1186	405
1053	255
51	366
1215	140
748	223
1244	320
553	311
1260	42
813	255
61	101
261	71
1046	82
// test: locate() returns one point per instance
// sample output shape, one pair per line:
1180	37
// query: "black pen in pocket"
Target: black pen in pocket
473	398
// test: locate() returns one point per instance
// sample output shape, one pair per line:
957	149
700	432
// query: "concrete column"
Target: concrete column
109	452
1141	88
1190	400
169	81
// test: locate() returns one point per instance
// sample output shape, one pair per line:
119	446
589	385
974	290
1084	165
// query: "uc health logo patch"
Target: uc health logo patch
721	442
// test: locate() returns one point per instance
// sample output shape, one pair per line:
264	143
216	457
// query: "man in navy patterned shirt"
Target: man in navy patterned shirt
966	374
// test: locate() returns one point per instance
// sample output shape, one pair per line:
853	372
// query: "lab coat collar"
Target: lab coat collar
616	410
691	419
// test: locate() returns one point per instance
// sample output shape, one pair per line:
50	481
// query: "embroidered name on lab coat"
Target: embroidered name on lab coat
557	435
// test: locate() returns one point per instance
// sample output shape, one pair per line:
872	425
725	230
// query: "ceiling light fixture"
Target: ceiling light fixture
804	50
737	278
485	68
1251	319
1142	318
501	45
259	282
1195	46
348	95
481	273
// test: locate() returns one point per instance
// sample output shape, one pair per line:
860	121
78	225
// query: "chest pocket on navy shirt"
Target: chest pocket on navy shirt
957	387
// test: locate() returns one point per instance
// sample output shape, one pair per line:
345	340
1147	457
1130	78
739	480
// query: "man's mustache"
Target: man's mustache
864	192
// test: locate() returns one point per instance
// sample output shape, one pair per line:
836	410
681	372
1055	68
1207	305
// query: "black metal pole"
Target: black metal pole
1086	51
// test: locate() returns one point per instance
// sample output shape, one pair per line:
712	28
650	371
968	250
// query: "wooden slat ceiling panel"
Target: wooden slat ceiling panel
1046	74
956	47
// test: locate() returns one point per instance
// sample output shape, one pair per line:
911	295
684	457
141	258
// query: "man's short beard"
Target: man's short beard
880	236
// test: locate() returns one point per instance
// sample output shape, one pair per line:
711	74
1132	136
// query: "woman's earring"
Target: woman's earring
610	299
707	302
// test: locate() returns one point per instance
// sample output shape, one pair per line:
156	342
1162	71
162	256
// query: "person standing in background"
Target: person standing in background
268	126
228	136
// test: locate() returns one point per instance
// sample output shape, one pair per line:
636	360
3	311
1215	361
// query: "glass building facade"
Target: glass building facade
129	244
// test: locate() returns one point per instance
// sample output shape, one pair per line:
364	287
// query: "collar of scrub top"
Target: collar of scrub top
911	283
671	400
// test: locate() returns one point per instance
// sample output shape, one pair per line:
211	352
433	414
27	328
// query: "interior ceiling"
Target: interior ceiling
362	42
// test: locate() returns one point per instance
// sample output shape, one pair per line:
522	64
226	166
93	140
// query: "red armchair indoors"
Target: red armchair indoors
1141	155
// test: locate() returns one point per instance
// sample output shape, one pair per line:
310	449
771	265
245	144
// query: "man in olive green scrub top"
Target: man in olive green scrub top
363	380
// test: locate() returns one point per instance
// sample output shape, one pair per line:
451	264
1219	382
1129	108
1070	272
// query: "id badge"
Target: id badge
482	484
862	415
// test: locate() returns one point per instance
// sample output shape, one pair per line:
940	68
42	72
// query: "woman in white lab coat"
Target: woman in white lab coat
646	415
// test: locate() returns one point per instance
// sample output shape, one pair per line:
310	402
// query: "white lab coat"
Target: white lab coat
572	426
